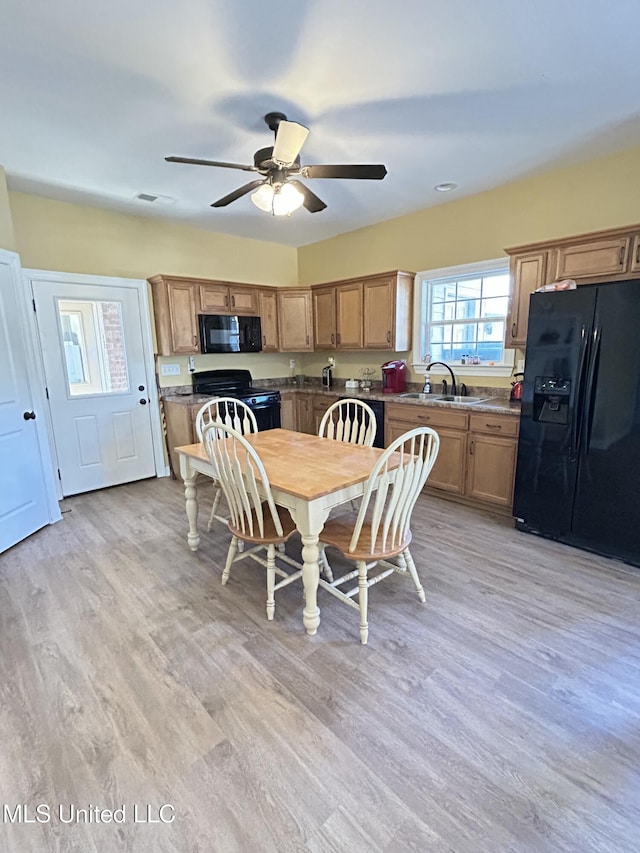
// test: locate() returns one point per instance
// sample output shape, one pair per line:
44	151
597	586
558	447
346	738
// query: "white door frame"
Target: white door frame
36	390
142	287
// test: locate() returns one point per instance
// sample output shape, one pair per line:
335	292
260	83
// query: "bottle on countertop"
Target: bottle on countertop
426	388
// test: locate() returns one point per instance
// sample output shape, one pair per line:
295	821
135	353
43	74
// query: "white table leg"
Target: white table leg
310	521
191	501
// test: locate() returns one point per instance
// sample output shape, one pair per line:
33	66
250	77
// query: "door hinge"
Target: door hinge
33	302
59	475
46	391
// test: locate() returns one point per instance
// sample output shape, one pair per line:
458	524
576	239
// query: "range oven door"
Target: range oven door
267	414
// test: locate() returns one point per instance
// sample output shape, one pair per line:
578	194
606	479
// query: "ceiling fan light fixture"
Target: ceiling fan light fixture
280	200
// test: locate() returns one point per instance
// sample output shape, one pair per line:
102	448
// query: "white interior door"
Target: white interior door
24	501
97	380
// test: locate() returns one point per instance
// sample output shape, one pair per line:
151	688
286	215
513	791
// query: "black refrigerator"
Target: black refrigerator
578	470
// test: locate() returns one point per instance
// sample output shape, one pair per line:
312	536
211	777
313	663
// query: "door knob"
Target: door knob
29	416
143	402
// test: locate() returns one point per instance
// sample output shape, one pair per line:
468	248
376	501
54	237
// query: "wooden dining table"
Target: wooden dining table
308	475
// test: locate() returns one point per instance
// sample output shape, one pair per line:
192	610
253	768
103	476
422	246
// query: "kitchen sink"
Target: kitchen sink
442	398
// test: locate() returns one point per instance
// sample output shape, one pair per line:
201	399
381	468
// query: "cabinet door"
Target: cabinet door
214	299
599	257
527	274
379	314
294	319
490	470
635	254
304	414
324	318
243	300
182	318
287	411
349	316
269	321
320	406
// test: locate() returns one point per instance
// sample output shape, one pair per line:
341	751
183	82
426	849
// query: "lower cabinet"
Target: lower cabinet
491	461
180	419
304	413
287	410
320	406
477	456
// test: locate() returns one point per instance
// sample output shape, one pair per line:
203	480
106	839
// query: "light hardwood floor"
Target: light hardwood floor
502	715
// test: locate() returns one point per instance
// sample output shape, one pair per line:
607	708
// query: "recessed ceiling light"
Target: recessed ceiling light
446	187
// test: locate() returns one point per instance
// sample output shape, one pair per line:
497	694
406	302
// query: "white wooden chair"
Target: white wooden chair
381	530
349	420
235	414
253	519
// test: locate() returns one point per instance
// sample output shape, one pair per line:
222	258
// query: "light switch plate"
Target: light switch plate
170	370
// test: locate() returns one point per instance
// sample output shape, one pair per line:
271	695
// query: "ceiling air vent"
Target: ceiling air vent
156	199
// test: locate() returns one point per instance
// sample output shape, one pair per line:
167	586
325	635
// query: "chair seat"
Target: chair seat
338	532
270	534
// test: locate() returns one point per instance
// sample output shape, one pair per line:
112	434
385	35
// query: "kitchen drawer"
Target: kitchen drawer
427	416
494	424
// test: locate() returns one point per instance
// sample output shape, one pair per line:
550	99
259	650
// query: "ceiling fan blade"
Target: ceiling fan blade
290	138
363	173
311	201
236	194
196	162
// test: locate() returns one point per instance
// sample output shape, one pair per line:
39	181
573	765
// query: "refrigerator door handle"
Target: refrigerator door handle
590	389
576	424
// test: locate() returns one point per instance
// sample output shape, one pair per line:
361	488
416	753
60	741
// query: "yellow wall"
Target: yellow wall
55	235
603	193
6	223
263	365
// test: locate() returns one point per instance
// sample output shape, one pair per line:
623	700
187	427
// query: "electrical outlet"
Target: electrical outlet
170	370
520	365
292	363
192	364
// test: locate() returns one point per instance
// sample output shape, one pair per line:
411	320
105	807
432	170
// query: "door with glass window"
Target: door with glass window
97	384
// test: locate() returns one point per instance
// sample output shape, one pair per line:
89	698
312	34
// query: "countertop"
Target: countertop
490	405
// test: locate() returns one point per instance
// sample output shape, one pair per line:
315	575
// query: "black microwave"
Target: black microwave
229	333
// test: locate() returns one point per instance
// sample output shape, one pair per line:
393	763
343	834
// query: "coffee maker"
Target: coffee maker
327	376
394	377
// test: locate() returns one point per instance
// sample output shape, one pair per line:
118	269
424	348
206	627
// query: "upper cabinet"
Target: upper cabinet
587	258
295	320
174	306
220	298
269	320
365	313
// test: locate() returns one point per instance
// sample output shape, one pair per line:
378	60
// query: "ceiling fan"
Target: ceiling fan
279	191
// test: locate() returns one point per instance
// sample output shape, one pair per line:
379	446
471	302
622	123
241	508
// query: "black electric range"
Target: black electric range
263	402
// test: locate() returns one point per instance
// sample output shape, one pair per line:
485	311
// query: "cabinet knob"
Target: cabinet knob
307	339
471	448
195	340
233	301
513	330
621	256
333	336
388	337
264	340
493	426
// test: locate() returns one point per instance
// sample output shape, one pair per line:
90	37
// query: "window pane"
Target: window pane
493	331
467	309
496	285
496	307
444	291
470	289
94	350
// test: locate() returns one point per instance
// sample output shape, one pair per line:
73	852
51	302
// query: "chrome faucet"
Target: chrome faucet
454	387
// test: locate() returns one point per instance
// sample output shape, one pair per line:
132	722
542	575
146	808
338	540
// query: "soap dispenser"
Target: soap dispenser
426	388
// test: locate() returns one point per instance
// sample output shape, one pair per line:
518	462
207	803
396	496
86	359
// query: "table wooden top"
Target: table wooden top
304	465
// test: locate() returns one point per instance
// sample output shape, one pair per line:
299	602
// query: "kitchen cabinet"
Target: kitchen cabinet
601	256
493	444
477	456
373	312
180	419
320	404
218	297
585	259
287	410
448	473
174	308
528	273
387	306
295	320
268	310
304	413
635	255
324	318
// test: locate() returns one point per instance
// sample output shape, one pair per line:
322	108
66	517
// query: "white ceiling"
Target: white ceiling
93	96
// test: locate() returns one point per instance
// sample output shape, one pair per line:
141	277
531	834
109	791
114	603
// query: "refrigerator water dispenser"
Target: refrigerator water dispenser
551	397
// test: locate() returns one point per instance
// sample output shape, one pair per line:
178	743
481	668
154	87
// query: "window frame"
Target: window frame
420	307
